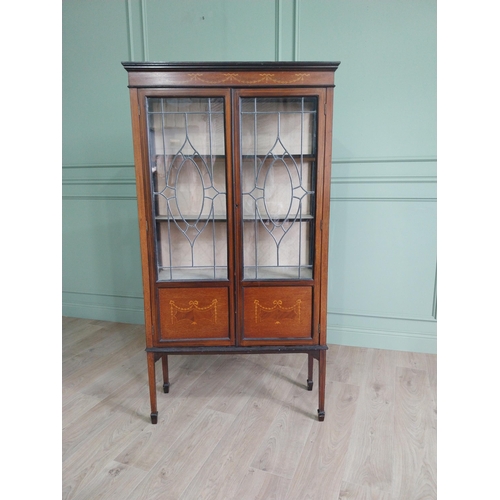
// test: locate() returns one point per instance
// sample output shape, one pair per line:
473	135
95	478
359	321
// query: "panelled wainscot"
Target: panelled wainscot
233	187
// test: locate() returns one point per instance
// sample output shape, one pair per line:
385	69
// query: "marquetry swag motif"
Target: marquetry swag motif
277	312
248	79
194	313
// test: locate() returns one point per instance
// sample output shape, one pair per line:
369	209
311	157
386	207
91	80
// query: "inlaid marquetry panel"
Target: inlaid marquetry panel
229	78
193	313
278	312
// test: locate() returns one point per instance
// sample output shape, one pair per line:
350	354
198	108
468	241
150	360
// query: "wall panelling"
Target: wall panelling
383	218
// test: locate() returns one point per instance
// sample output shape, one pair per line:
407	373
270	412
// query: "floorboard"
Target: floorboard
243	427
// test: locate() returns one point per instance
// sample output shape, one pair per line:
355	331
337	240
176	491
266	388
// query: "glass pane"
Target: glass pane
187	162
278	172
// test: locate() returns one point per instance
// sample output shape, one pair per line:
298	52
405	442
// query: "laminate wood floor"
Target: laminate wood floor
243	427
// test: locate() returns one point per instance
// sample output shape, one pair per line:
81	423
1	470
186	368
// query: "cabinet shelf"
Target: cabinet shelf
277	272
295	156
218	158
279	218
223	218
190	218
200	273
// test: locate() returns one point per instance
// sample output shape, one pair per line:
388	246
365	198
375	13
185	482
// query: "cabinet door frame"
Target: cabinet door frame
318	281
151	284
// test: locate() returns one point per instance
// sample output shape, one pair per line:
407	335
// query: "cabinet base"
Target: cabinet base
313	352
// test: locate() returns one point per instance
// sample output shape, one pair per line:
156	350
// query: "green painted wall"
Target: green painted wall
383	224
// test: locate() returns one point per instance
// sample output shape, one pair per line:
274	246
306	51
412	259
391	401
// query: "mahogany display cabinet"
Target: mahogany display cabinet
232	168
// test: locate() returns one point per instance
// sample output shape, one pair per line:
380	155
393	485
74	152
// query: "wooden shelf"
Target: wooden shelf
193	273
277	273
281	218
295	156
166	218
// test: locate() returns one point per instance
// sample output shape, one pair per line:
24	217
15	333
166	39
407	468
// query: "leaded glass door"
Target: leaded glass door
189	191
189	187
279	187
278	156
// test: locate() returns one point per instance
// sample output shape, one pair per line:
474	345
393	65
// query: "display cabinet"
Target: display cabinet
233	187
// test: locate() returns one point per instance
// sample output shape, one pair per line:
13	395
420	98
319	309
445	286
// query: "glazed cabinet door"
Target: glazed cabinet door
190	229
279	150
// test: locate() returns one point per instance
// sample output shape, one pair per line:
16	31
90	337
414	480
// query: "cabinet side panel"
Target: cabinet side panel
141	206
325	188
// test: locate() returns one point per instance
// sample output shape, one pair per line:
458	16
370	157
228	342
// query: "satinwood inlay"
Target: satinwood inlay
194	313
245	78
277	312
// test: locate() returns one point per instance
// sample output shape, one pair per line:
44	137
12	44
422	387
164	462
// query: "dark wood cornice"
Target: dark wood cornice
227	74
232	66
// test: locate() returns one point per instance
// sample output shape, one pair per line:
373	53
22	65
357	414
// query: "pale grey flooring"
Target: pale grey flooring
243	427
